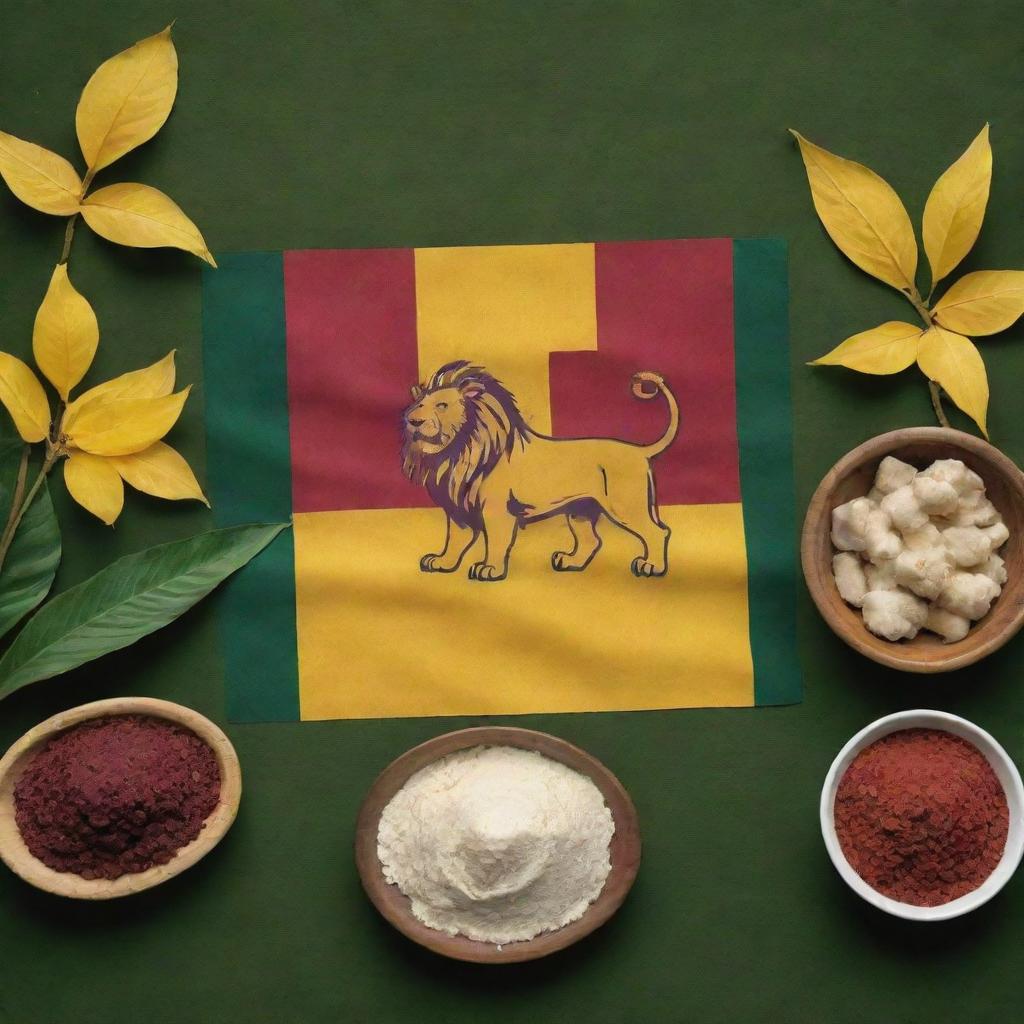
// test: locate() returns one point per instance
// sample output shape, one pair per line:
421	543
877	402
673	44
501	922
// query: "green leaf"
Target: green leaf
131	598
32	560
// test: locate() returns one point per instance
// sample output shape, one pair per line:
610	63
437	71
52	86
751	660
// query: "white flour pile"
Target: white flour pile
497	843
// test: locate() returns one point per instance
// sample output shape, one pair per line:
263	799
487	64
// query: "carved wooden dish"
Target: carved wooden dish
852	477
15	854
395	907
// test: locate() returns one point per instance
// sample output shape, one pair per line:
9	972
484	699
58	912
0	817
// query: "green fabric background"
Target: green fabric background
411	123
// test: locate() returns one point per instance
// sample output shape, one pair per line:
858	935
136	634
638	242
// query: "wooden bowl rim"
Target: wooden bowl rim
896	655
15	854
394	905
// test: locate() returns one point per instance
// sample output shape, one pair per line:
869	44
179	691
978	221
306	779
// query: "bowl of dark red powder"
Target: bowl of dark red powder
921	813
116	796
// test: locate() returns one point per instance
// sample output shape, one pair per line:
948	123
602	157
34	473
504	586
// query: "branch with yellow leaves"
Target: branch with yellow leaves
112	433
867	221
124	104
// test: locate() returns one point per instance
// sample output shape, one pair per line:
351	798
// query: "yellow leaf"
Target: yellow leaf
862	214
954	362
127	100
956	207
984	302
888	348
39	178
23	395
144	217
95	485
66	334
122	426
150	382
160	471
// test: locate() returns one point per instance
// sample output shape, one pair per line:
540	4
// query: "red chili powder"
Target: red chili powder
921	816
116	795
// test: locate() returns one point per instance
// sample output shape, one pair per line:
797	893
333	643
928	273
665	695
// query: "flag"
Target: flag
522	478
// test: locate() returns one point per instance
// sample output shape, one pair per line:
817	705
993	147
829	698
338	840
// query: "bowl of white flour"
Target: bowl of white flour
497	844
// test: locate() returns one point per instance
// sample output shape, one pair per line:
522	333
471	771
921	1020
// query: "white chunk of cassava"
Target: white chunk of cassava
919	550
894	614
850	579
950	626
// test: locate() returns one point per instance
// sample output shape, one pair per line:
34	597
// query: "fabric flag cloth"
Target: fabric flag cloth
522	478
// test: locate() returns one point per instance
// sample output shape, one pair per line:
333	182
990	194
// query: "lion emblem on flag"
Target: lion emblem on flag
467	443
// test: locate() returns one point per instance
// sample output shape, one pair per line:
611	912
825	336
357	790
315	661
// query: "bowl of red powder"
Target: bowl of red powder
922	813
116	796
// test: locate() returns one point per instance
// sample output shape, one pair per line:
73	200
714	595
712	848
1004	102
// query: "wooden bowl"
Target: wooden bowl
15	854
395	906
852	477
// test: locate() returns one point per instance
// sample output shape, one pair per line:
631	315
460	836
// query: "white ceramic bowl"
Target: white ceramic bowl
1006	772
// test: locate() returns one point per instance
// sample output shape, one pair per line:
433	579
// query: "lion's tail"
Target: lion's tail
641	389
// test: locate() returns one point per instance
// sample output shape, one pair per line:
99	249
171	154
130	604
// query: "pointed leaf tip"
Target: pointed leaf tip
129	599
161	471
985	302
955	364
39	178
65	335
955	208
127	100
95	485
24	398
122	426
888	348
862	214
141	216
153	381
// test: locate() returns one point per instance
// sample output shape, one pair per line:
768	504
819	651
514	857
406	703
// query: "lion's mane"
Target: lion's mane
493	427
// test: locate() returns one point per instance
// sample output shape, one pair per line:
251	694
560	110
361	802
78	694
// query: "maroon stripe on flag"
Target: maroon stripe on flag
667	307
352	357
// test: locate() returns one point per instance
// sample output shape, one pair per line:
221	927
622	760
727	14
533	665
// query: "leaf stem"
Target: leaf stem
936	393
921	305
69	234
18	510
15	521
19	489
69	231
914	298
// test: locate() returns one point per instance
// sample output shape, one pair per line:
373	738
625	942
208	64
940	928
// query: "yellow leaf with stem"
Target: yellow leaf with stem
160	471
122	426
127	100
24	398
137	215
888	348
955	364
862	214
39	178
956	207
981	303
65	335
95	485
153	381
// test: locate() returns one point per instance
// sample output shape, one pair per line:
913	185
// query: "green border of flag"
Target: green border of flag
250	478
765	427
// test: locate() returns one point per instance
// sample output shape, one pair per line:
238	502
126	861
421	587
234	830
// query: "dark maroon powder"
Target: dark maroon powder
116	795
